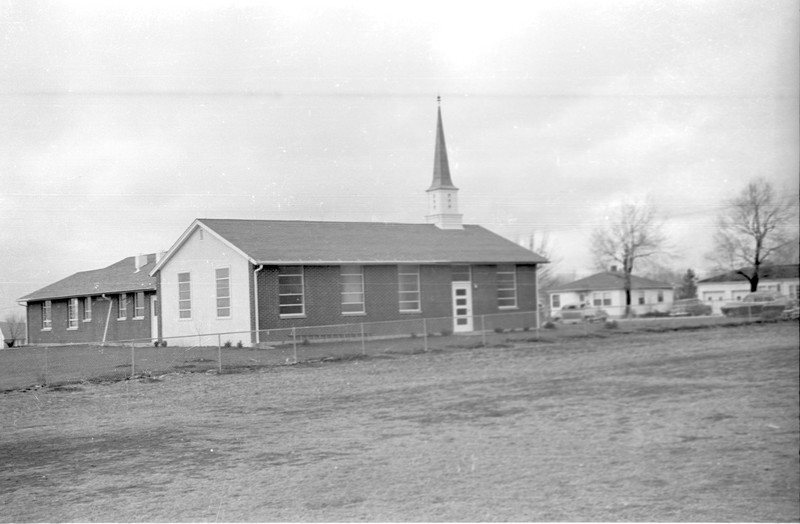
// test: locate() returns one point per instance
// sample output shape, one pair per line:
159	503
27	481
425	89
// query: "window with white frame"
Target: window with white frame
87	309
122	307
555	301
408	288
506	286
223	278
601	299
138	305
291	291
47	314
72	313
660	297
184	296
352	279
641	298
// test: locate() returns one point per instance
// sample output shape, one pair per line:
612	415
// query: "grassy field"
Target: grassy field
78	363
674	426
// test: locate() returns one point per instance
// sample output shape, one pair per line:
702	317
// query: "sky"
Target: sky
121	122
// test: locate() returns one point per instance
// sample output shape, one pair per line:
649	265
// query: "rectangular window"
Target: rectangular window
352	278
408	282
461	273
555	301
223	275
47	315
87	309
184	295
601	299
641	298
138	305
506	287
660	297
122	307
72	313
291	291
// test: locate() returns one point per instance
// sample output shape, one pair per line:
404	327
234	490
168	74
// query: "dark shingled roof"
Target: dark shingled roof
120	277
777	272
609	280
306	242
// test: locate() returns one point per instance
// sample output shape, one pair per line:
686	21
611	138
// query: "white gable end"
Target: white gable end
201	260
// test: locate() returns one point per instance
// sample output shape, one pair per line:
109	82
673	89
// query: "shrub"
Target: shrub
499	330
611	324
549	325
227	344
156	343
654	314
163	343
239	345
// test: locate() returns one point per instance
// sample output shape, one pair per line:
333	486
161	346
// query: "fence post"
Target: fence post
294	343
363	343
425	334
483	329
46	349
133	361
219	353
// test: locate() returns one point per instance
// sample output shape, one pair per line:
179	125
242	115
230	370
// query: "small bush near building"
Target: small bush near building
612	324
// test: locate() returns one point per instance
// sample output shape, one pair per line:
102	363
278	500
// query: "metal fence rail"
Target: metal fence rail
218	352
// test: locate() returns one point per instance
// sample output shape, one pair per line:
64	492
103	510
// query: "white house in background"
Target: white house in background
733	286
606	290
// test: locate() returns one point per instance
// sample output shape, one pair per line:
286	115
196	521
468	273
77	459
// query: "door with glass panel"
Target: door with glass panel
462	306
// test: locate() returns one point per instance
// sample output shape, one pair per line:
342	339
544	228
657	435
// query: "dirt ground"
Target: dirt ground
677	426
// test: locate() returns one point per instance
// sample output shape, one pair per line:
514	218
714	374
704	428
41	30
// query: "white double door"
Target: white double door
462	306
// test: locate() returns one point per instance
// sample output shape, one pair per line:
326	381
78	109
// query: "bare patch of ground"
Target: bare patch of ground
681	426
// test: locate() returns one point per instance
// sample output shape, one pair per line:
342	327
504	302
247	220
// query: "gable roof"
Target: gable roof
120	277
322	243
777	272
610	280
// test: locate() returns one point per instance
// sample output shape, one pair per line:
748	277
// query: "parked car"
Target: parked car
791	311
689	307
765	304
573	314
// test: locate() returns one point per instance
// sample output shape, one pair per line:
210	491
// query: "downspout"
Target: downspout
108	317
255	293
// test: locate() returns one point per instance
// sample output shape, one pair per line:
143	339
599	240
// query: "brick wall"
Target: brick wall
89	331
323	300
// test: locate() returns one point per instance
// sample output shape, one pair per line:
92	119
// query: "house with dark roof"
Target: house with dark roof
114	303
733	286
249	276
606	290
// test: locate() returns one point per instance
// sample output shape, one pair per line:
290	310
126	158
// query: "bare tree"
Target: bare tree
14	329
540	244
633	234
755	228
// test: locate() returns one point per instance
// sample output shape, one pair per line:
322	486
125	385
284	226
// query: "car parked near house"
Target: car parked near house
791	311
689	307
574	314
766	304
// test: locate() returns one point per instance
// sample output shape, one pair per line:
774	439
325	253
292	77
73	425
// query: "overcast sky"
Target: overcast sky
121	122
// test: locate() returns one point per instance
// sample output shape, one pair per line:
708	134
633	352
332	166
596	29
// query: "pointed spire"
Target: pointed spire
441	168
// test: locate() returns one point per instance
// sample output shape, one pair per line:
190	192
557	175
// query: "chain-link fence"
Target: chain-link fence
220	352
